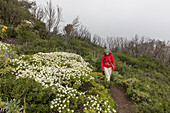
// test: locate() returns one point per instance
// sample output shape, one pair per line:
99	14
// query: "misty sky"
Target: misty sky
119	18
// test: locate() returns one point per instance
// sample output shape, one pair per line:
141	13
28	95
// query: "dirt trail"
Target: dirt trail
123	105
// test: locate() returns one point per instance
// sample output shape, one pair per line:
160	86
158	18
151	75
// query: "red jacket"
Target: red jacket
107	59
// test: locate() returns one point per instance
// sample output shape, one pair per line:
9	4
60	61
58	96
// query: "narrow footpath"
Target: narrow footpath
123	104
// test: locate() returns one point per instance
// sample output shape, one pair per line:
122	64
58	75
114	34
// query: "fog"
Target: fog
118	18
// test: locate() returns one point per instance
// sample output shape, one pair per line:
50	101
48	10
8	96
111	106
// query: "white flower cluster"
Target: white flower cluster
4	47
7	49
56	70
52	68
30	23
64	98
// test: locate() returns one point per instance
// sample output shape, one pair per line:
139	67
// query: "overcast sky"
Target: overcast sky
119	18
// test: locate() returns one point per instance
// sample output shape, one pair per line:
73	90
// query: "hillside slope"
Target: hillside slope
145	80
52	82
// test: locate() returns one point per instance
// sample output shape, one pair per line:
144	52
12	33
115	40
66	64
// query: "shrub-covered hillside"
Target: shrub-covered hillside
146	81
52	82
49	71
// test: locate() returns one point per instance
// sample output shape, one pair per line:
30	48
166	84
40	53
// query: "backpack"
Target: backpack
105	58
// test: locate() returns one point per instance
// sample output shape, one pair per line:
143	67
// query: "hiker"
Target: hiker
107	64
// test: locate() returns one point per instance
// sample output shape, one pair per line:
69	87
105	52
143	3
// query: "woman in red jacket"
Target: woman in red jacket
107	63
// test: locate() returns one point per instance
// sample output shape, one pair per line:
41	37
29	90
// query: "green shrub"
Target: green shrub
41	28
11	32
25	32
11	107
82	91
99	77
26	37
37	98
41	45
146	82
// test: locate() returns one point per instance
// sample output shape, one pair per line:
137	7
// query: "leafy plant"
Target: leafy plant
11	107
145	81
11	32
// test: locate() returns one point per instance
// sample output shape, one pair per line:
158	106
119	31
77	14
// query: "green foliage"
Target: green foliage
26	37
37	98
99	77
11	32
89	111
95	87
90	52
40	45
145	81
130	60
25	33
82	48
41	28
4	65
11	107
4	59
13	11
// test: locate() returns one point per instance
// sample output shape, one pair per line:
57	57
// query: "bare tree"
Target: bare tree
76	22
167	52
140	46
110	42
83	33
125	45
38	13
70	30
115	44
58	20
76	30
53	18
104	44
99	41
94	39
50	16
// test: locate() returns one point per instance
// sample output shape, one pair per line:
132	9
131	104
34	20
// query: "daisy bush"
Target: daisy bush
63	81
5	47
69	77
7	50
